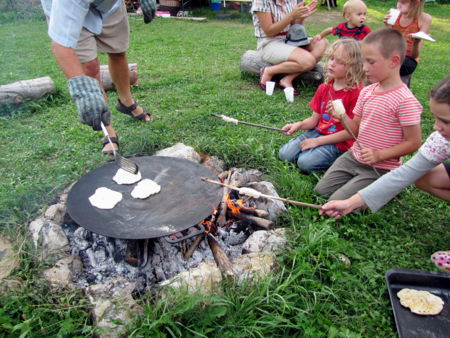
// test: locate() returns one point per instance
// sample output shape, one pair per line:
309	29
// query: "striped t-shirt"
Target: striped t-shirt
406	31
278	8
383	116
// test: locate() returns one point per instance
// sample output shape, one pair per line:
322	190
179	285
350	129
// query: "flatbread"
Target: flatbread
421	302
124	177
145	188
105	198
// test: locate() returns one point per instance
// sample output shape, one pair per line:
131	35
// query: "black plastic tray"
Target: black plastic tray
410	324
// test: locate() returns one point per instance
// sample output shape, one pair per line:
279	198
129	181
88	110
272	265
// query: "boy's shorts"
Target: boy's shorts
447	168
408	66
114	37
274	50
346	177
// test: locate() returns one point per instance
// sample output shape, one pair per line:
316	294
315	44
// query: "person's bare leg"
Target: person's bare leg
118	68
92	69
436	182
316	49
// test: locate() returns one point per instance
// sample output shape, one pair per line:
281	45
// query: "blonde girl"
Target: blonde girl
325	138
412	19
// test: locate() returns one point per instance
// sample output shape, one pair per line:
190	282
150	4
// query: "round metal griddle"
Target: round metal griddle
184	200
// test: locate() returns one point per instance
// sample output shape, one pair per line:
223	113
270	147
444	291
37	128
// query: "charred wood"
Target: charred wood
221	258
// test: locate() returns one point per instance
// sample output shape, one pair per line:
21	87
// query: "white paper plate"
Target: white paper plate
423	36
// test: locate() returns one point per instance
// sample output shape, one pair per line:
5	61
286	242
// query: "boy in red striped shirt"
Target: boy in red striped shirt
386	120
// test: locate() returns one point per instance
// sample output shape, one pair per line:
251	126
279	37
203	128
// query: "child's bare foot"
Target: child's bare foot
264	76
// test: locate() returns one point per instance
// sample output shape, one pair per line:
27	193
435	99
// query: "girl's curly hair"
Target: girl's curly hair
355	75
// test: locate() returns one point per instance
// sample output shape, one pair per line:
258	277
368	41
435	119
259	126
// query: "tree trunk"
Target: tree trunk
107	82
26	89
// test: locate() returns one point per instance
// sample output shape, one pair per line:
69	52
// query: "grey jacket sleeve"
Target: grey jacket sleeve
389	185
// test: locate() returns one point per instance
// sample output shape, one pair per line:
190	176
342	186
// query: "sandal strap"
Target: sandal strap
124	109
114	139
142	116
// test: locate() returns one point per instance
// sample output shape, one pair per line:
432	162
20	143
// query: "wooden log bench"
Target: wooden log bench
251	62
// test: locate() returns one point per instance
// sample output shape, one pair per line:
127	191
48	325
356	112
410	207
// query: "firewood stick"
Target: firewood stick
248	123
193	247
261	222
303	204
221	220
221	258
255	212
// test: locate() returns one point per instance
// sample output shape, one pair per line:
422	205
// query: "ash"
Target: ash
146	262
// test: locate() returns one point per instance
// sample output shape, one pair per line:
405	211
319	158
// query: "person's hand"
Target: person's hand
88	98
339	208
309	143
370	156
148	9
291	128
330	111
316	38
302	11
386	18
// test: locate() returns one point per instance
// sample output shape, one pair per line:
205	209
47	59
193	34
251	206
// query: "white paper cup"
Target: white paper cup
270	85
394	12
289	93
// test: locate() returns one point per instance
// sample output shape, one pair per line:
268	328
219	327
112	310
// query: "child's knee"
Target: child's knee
305	166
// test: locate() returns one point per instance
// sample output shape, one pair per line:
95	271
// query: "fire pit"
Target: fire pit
88	258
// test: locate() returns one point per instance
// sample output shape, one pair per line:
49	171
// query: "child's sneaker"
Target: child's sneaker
442	260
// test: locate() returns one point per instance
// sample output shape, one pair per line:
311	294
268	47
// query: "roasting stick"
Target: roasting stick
346	126
316	206
235	121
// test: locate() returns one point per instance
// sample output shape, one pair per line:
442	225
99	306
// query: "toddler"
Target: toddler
354	12
325	138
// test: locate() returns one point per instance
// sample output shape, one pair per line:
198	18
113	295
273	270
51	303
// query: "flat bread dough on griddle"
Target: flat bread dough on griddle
124	177
421	302
105	198
145	188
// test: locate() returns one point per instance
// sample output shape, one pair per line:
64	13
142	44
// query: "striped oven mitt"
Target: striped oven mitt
89	100
148	8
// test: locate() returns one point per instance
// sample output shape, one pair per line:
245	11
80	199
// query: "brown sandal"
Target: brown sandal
114	140
129	111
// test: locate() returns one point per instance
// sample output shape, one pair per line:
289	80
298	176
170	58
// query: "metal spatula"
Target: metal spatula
121	161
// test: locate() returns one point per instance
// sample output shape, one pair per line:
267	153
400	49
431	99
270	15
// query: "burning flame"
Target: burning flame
236	205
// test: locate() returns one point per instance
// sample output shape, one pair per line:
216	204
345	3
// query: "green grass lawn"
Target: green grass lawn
188	70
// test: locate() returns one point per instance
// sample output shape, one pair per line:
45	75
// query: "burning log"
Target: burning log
254	212
221	258
254	220
221	220
192	248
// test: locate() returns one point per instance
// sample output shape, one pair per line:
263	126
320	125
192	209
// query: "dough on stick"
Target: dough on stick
421	302
124	177
145	188
105	198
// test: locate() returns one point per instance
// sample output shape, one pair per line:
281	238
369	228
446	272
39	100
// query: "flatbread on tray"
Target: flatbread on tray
145	188
124	177
421	302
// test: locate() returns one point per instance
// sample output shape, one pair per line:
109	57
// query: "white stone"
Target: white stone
180	150
62	273
203	279
274	207
8	258
53	240
253	266
113	305
35	228
265	241
56	213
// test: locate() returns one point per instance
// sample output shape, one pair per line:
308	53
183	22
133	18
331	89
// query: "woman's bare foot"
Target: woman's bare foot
265	76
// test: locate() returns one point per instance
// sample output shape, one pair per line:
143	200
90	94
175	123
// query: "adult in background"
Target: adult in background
272	20
78	30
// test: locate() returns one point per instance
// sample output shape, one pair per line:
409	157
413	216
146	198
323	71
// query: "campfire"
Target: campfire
218	238
234	240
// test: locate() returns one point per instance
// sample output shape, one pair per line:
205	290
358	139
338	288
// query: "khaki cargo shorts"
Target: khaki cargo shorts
114	37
